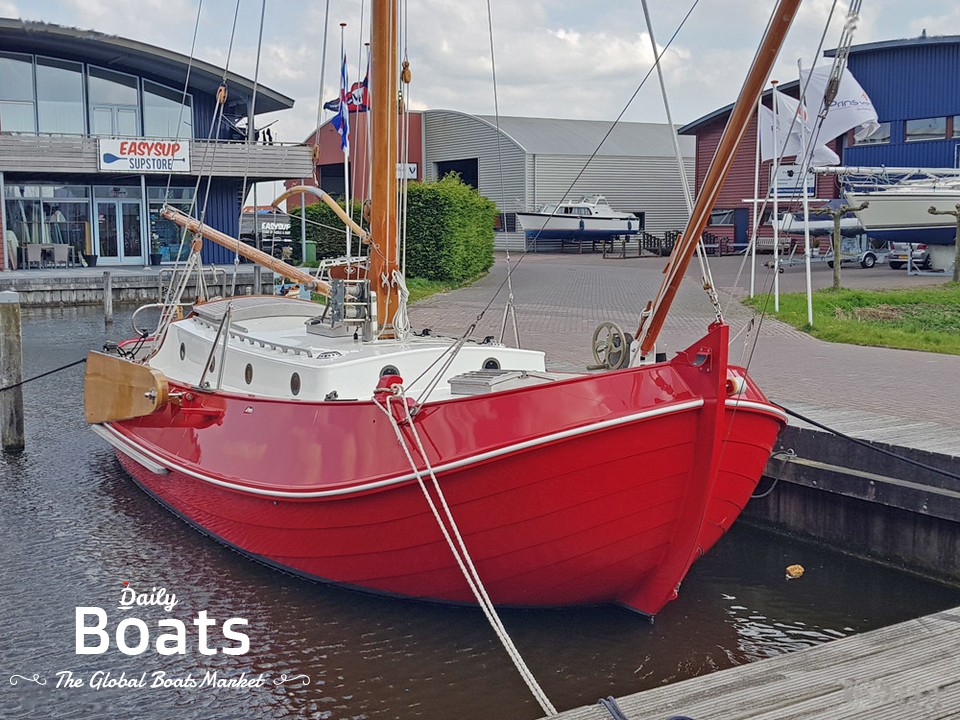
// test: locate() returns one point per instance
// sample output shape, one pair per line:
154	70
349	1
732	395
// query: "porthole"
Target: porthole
213	364
491	364
295	383
183	351
388	370
248	373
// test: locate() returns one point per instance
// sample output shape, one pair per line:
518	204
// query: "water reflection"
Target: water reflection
73	528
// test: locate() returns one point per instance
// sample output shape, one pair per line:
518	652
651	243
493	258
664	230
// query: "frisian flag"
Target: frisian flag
341	121
358	99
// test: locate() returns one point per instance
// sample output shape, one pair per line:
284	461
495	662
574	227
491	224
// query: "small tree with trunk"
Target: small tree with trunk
836	215
956	258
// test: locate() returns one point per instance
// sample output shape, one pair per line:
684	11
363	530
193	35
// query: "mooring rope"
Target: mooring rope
866	444
43	375
456	543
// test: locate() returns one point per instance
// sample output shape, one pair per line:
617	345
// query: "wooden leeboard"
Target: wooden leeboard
117	389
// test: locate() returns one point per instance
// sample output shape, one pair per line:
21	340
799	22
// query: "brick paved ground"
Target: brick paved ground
897	396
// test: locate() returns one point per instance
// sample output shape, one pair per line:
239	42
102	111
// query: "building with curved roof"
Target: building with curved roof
97	132
523	163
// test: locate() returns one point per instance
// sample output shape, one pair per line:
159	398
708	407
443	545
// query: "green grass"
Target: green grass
916	319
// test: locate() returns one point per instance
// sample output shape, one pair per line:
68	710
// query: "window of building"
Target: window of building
880	137
721	217
60	96
955	126
925	129
17	108
505	222
164	112
164	235
114	103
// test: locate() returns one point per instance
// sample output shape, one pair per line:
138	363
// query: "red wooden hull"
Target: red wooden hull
602	488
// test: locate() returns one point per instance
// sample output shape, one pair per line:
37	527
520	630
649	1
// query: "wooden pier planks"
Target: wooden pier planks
905	671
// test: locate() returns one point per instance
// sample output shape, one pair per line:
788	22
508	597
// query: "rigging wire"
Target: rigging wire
619	117
778	160
186	86
570	187
251	132
175	292
706	276
509	308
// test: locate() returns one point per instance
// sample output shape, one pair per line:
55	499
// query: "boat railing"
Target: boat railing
243	336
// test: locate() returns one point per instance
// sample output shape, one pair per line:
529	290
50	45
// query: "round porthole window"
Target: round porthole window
248	373
491	364
388	370
183	351
295	383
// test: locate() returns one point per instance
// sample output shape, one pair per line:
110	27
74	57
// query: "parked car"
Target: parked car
898	255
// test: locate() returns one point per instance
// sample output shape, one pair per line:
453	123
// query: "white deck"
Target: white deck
270	354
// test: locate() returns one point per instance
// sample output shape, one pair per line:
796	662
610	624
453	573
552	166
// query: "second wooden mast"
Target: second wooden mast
384	246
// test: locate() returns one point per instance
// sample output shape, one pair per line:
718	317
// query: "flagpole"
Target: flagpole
776	202
345	110
804	165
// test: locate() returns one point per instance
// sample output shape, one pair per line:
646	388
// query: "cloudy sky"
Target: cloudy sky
554	58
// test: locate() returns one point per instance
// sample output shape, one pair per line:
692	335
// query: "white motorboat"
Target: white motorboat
588	218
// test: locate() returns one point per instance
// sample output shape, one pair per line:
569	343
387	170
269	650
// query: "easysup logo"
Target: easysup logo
170	636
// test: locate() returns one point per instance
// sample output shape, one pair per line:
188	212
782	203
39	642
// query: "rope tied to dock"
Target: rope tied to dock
384	400
43	375
871	446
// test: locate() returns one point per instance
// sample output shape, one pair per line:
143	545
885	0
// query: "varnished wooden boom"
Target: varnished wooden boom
250	253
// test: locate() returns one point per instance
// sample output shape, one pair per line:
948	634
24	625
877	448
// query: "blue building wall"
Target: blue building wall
223	213
909	80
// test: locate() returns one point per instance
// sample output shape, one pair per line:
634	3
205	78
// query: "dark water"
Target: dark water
73	528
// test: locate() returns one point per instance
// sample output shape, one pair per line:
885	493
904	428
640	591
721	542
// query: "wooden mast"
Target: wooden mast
383	118
729	142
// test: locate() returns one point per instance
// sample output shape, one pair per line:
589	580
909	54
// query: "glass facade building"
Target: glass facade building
72	101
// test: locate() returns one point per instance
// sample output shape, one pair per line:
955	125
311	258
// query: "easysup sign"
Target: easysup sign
128	155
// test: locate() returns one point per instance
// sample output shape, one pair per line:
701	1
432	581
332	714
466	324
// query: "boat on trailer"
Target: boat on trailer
332	443
589	218
899	212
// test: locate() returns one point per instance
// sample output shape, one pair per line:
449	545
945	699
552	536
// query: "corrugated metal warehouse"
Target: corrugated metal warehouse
546	160
914	86
542	160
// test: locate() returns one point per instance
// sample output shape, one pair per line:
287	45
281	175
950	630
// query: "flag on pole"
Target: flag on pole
358	99
341	121
788	133
851	109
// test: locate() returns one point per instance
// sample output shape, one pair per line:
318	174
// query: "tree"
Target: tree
837	215
956	258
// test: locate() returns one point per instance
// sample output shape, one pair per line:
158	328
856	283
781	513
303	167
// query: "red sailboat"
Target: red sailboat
333	444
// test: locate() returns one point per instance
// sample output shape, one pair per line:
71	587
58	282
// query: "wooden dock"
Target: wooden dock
909	671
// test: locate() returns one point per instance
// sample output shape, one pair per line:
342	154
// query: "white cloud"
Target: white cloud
554	58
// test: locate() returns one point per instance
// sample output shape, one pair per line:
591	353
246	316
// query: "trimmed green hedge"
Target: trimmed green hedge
449	230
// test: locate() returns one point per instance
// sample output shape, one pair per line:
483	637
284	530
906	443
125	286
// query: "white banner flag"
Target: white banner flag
851	109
